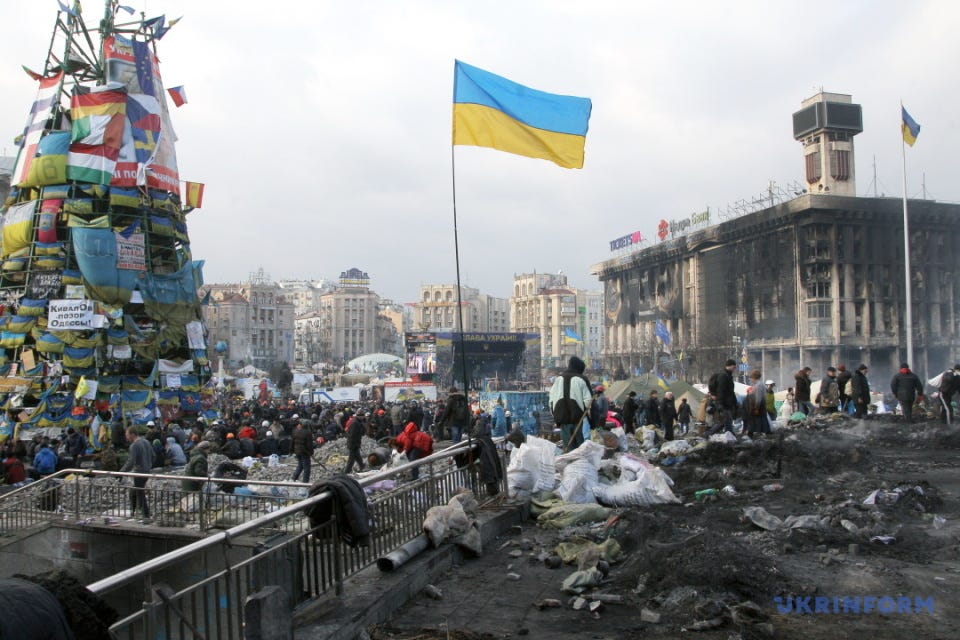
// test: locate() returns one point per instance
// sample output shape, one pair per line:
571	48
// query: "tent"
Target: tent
643	385
374	362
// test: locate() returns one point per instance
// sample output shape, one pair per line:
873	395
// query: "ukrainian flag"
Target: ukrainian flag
909	126
491	111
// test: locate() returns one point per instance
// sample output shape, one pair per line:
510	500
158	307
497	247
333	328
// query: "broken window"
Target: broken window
819	324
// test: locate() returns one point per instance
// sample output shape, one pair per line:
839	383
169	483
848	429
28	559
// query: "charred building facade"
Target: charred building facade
814	281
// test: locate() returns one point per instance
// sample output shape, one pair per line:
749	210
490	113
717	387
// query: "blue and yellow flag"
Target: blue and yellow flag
909	127
491	111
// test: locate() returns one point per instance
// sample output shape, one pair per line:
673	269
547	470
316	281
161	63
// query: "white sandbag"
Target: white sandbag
649	440
445	521
589	450
546	470
579	480
675	448
632	463
652	486
531	467
621	437
724	438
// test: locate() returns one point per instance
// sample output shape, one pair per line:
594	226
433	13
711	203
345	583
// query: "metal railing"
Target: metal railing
199	591
87	495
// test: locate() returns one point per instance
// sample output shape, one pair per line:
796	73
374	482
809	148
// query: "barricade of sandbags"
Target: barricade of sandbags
532	468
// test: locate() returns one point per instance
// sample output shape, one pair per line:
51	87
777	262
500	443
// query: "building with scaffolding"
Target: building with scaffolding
815	280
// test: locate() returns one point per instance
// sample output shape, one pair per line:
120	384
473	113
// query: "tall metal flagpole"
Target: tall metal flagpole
908	315
463	344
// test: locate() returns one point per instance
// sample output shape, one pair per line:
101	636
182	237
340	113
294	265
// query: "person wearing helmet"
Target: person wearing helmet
231	448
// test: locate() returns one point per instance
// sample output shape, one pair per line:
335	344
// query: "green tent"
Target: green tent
643	385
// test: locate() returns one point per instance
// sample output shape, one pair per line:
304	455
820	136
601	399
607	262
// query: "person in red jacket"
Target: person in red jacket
415	443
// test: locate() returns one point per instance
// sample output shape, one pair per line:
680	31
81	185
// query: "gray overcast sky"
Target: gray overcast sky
322	129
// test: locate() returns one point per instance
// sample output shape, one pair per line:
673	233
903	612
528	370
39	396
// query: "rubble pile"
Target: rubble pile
713	530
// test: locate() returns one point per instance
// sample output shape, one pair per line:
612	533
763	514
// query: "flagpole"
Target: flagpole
463	343
456	254
908	316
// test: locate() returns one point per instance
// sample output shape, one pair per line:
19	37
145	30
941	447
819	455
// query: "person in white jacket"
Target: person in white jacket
569	399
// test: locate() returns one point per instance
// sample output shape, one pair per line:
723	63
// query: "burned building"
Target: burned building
814	281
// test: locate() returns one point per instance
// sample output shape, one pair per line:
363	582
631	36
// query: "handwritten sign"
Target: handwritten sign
70	315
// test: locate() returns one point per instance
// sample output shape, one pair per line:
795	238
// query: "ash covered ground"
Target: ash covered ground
713	566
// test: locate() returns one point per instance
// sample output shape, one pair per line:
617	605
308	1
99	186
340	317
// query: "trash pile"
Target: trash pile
703	548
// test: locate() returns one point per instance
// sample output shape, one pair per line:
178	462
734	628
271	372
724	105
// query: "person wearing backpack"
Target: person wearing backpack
723	394
569	401
828	398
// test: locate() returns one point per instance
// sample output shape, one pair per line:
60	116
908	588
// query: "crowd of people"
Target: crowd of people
573	401
249	429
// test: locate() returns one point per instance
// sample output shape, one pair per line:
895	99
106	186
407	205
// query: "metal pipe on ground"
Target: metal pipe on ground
399	556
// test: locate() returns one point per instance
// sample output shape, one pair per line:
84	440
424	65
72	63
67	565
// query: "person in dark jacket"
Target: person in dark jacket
828	398
843	377
197	467
268	446
415	413
725	396
231	448
76	444
302	441
117	434
630	407
599	408
668	415
755	419
802	391
247	447
684	416
228	471
653	409
140	460
356	428
456	415
860	392
907	388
